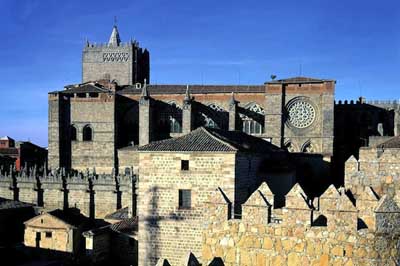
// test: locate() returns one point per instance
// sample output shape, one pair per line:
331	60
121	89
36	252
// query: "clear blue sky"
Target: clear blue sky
212	42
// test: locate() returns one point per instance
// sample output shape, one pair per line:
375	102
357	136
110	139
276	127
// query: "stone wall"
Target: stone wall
317	137
167	231
126	63
377	168
99	114
300	239
95	195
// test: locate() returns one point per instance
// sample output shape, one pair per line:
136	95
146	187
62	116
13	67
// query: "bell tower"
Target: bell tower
126	63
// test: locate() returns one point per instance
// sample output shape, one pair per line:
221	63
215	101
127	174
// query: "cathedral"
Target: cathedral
240	174
116	109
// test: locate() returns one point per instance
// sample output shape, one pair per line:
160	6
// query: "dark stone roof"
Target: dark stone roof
91	87
393	143
6	204
297	80
194	89
120	214
125	226
212	140
70	216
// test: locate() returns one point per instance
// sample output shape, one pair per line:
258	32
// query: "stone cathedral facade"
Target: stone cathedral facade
98	122
241	174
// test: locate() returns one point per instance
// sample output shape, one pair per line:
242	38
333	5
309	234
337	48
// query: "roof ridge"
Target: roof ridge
218	139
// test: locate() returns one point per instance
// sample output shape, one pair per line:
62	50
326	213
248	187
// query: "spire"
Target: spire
187	98
232	101
145	92
114	38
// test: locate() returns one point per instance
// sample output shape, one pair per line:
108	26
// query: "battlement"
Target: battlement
132	43
334	209
338	232
95	194
370	102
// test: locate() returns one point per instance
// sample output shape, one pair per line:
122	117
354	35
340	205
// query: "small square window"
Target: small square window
185	198
49	234
185	165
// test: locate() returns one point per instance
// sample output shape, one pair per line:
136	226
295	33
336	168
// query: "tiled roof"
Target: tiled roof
6	204
126	225
195	89
119	214
70	216
391	143
211	140
298	80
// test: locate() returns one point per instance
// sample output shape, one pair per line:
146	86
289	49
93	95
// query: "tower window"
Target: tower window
185	198
73	132
87	133
184	165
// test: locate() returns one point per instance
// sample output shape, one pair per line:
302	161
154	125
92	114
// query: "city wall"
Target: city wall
326	231
95	195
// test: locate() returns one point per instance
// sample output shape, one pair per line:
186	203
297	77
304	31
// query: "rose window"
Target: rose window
301	114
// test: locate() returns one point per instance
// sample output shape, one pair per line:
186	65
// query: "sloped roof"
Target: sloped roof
298	80
126	225
6	204
70	216
393	143
212	140
89	87
118	214
194	89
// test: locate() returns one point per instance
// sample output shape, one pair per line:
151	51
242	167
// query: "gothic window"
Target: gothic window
208	121
216	107
251	127
213	116
87	133
290	147
252	119
308	147
73	133
174	125
171	116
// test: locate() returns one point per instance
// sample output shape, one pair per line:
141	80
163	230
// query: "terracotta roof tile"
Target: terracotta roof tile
212	140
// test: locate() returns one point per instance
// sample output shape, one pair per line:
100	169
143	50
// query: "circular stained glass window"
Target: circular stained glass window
301	114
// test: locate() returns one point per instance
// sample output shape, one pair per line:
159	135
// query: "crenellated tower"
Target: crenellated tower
126	63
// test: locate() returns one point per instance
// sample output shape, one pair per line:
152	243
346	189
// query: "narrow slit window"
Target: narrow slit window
185	198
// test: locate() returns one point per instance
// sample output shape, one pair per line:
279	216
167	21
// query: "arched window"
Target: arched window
87	133
251	127
174	126
252	119
73	133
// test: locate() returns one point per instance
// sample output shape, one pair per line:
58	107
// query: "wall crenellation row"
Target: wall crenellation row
334	209
95	194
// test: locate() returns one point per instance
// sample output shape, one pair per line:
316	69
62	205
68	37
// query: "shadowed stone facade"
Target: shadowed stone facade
121	109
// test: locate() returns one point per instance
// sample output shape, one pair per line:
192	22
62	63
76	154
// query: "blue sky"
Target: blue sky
212	42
